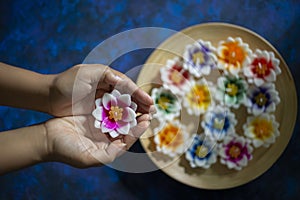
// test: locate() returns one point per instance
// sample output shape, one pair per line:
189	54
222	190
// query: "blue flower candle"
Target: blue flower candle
202	152
219	122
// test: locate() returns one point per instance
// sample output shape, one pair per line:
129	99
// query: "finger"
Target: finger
141	108
106	78
126	84
142	97
152	110
144	117
137	131
146	109
141	118
143	123
109	154
110	78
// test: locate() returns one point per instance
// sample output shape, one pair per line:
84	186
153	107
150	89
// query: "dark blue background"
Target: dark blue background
51	36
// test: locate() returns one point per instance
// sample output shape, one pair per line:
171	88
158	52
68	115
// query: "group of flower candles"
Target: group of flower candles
246	79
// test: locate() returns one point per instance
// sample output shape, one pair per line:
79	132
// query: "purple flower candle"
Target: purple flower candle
235	152
200	58
262	99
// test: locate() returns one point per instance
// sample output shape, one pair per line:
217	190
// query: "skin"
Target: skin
70	137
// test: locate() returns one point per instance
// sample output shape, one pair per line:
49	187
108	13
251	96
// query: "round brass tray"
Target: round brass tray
218	176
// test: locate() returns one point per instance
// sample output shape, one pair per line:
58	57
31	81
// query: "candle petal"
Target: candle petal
123	127
113	134
98	113
124	100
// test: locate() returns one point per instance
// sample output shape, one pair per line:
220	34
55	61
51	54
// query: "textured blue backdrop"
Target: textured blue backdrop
50	36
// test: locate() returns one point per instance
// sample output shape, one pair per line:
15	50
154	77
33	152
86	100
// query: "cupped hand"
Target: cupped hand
74	91
74	140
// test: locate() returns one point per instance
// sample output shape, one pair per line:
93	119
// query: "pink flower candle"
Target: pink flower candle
115	113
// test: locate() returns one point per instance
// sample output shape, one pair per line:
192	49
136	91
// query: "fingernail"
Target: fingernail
118	77
123	144
152	110
150	116
148	123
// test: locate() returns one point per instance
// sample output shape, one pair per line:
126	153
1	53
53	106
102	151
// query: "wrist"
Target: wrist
49	82
42	144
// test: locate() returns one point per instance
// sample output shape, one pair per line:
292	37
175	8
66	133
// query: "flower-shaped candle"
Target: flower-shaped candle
202	152
200	58
231	91
219	122
262	130
175	77
171	138
198	99
262	67
167	104
115	113
235	152
262	99
233	54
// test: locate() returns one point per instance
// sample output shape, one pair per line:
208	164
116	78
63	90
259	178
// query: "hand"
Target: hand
75	141
74	91
72	140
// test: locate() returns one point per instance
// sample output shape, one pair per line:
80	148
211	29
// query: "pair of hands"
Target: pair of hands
71	137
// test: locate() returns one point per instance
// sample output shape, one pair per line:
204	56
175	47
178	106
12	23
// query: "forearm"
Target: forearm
24	89
22	147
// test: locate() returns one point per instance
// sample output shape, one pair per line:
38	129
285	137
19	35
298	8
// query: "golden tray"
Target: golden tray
218	176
